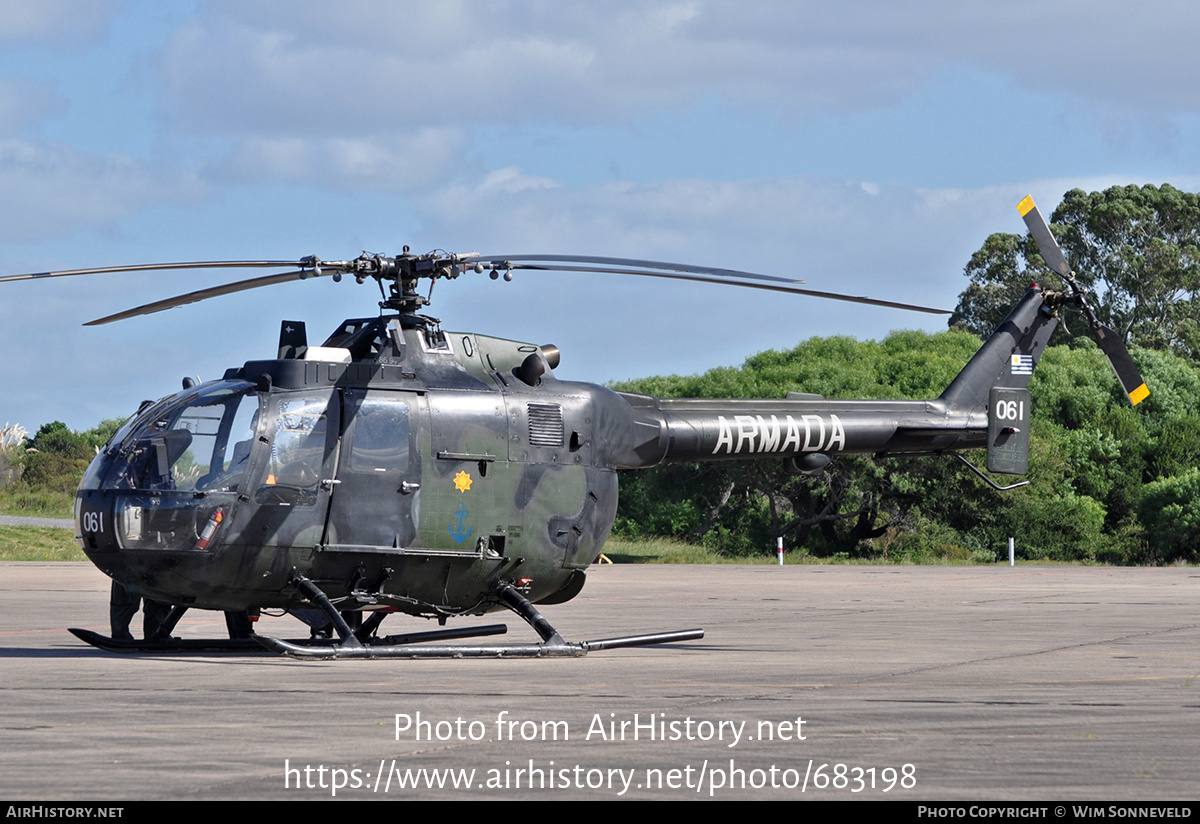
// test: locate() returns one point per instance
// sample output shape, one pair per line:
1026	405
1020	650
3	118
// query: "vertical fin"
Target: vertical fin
293	339
1008	357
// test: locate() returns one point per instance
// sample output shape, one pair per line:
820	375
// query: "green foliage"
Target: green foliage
39	474
1170	511
836	367
19	499
51	472
101	433
737	509
1135	248
54	438
55	459
1092	459
1064	527
1177	449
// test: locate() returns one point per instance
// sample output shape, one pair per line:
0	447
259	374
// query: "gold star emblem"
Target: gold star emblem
462	481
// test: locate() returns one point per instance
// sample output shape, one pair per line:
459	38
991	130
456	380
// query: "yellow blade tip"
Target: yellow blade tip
1138	395
1026	205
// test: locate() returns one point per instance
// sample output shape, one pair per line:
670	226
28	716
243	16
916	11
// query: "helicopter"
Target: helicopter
401	468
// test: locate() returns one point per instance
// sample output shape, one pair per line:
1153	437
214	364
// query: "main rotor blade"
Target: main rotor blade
784	286
211	292
154	267
625	264
1042	235
313	267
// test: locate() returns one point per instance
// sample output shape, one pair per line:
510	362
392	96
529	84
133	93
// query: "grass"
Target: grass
667	551
38	543
17	500
35	543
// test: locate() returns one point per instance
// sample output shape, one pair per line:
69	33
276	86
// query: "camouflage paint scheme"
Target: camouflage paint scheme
491	471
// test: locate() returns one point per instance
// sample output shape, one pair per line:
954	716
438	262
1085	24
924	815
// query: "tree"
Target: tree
100	434
55	458
740	507
54	438
1135	249
1170	510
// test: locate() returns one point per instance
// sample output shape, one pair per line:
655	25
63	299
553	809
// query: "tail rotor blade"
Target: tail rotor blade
1123	365
1040	230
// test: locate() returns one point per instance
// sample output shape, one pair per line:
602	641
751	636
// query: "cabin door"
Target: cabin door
374	503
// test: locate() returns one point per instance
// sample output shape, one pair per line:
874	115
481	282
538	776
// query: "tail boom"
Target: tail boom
679	430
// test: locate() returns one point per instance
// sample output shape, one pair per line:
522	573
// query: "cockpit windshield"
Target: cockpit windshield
199	442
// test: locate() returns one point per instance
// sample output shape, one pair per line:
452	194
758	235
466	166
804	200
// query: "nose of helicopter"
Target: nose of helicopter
162	489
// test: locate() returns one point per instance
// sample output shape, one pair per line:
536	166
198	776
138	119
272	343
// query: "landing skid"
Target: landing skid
562	649
552	646
167	645
363	644
255	643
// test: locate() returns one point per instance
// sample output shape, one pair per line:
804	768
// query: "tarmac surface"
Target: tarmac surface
21	520
912	683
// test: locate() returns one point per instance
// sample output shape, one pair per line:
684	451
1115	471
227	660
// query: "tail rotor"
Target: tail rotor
1110	342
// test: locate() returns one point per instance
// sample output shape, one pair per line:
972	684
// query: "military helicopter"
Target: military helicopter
399	467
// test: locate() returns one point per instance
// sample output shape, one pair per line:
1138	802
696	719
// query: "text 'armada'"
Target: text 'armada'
754	433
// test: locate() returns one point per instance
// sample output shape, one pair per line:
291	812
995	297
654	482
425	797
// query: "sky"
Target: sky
865	147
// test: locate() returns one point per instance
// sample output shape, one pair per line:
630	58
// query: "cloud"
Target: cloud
886	240
54	190
378	66
397	163
24	102
820	223
394	96
56	23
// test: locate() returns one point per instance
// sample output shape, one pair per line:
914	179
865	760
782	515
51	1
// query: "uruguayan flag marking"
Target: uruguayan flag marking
1022	364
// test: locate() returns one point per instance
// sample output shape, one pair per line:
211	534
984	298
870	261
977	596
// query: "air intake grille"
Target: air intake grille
545	424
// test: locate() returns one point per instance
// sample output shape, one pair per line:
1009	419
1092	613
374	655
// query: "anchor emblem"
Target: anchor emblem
456	526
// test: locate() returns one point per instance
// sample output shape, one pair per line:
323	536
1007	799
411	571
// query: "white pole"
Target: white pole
1012	553
779	549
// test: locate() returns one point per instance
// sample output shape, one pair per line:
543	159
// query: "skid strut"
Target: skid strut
552	646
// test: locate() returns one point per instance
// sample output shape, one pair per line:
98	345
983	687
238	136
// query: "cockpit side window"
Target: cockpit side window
380	437
297	452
